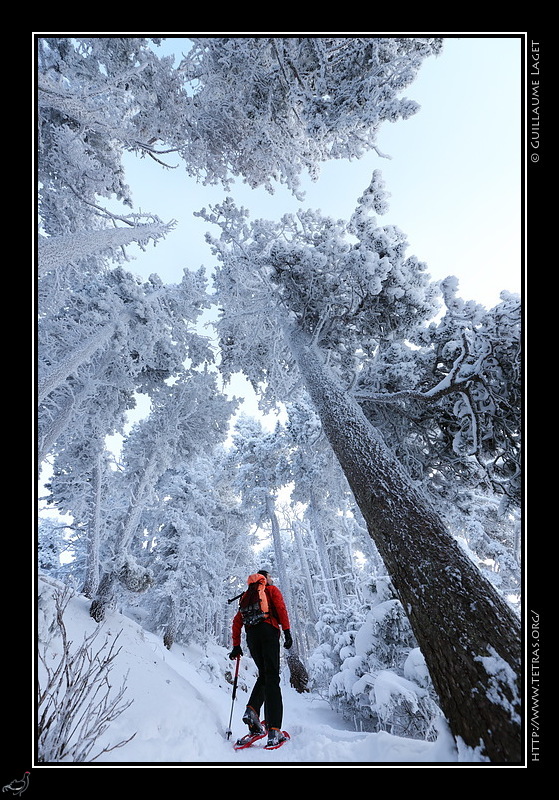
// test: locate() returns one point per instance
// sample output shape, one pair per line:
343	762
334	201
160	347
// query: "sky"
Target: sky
454	176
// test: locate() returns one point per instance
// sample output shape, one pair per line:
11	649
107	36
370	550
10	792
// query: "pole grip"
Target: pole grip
236	677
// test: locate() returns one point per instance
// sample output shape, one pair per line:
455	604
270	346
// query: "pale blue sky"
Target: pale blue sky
455	176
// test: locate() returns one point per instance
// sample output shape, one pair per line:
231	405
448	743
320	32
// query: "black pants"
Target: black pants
263	643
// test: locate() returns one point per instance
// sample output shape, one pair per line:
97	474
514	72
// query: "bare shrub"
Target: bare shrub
76	704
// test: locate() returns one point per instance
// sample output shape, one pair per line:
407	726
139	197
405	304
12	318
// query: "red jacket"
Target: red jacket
278	615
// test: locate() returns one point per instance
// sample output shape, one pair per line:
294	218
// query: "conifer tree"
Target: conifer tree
271	108
383	682
187	417
321	303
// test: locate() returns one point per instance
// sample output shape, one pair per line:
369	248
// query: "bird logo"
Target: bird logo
17	787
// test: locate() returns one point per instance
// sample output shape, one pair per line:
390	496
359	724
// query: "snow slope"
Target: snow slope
182	704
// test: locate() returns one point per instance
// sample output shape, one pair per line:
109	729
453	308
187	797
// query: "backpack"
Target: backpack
253	603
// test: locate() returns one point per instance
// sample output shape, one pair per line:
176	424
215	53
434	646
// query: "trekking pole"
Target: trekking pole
234	695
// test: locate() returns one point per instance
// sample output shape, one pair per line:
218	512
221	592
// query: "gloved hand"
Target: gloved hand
288	640
235	652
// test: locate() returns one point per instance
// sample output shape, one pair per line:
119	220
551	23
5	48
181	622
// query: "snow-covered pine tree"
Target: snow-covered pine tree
264	108
187	417
97	97
78	487
261	465
335	632
149	323
314	303
474	440
114	337
270	108
383	682
321	488
52	540
199	540
189	562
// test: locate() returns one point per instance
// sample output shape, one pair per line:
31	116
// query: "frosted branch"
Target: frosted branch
448	385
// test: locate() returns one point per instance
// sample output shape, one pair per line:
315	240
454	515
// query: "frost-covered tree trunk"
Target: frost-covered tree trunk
137	500
278	551
171	625
50	431
354	585
54	427
118	567
304	564
66	406
94	532
298	674
280	564
469	636
329	583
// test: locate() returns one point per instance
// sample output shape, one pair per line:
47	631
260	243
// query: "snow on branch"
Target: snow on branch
452	382
58	251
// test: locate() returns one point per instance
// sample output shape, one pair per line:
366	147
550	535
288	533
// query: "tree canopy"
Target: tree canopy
400	449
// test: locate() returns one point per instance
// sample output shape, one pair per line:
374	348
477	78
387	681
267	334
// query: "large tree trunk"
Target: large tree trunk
470	638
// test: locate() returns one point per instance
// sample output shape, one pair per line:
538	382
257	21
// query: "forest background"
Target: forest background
268	439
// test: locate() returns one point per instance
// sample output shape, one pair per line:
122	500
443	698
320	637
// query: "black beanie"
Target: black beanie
263	572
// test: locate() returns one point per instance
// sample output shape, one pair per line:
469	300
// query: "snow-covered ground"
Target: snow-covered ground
182	705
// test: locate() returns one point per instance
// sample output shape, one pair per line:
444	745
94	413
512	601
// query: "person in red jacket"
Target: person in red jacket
263	643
